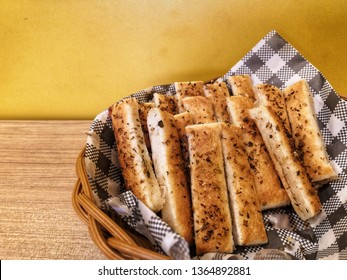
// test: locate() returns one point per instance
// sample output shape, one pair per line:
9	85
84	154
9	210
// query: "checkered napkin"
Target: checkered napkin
273	60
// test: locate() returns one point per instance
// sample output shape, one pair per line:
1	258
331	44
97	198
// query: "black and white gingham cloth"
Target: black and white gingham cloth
273	60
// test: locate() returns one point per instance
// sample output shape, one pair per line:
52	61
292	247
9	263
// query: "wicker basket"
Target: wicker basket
115	239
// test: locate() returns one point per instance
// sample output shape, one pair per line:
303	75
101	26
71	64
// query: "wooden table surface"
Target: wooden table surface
37	176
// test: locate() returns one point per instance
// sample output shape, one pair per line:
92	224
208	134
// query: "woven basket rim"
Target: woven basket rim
114	241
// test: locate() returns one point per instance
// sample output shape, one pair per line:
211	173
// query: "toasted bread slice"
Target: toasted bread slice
211	213
169	169
306	133
134	159
248	225
217	93
165	102
303	196
185	89
241	85
201	109
181	121
273	97
271	194
143	111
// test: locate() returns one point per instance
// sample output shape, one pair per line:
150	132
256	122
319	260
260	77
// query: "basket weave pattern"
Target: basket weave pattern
113	239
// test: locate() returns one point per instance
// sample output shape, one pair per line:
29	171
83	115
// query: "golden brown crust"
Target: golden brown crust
217	94
133	154
271	194
201	109
306	132
212	218
238	107
185	89
273	97
303	196
165	102
169	169
248	225
241	85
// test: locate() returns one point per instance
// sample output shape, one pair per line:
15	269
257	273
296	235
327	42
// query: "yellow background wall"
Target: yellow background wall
69	59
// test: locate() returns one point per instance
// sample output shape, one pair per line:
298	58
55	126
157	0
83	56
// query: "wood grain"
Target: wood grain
37	175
